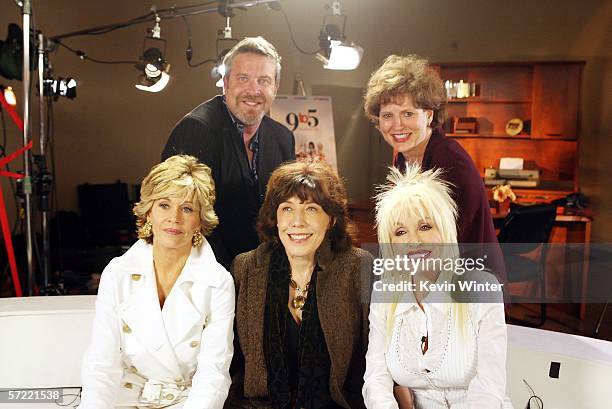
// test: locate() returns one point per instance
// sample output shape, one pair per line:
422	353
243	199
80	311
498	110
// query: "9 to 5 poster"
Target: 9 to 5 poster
311	120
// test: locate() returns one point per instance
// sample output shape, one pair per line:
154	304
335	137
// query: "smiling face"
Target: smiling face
302	226
404	126
250	87
174	220
417	237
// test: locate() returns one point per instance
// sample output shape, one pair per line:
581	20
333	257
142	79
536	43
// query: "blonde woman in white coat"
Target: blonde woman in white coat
431	349
162	334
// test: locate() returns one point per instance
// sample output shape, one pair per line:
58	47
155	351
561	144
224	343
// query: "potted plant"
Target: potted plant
503	195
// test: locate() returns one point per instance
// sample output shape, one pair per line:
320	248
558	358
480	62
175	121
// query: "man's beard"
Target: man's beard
251	116
249	119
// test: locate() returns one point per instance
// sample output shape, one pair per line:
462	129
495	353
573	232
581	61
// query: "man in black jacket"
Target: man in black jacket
234	137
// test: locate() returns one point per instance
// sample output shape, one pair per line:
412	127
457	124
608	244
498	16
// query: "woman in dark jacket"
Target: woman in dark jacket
301	315
406	99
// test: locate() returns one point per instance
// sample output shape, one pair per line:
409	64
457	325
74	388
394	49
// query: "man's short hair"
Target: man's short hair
256	45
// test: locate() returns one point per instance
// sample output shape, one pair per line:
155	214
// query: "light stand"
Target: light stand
43	178
26	10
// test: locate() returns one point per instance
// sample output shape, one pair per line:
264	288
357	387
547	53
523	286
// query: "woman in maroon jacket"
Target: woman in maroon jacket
405	99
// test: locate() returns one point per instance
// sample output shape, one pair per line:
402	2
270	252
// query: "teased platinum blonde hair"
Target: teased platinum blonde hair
416	193
423	195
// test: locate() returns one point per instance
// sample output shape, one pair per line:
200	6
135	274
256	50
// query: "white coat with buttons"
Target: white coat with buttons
134	341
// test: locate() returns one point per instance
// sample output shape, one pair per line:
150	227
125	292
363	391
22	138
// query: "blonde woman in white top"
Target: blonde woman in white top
426	350
163	332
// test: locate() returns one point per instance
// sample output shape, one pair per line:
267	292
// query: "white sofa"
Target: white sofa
42	341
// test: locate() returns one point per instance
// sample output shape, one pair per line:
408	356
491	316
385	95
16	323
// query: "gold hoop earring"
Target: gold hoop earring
146	230
197	239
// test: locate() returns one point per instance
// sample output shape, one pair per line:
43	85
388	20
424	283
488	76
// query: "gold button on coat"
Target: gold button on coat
170	396
136	277
178	380
194	344
127	385
126	328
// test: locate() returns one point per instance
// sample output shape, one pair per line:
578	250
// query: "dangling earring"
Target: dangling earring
197	239
146	230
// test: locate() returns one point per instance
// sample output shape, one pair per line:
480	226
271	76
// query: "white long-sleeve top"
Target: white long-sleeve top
179	353
464	366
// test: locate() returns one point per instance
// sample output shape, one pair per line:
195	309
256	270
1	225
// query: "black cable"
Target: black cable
189	49
76	396
84	56
209	60
292	36
150	16
107	28
538	400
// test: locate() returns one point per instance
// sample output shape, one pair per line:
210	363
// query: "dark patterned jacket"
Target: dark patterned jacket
343	291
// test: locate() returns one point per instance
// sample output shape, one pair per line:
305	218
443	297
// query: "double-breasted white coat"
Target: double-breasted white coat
142	355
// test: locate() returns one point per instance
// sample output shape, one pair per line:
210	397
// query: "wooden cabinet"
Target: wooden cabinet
556	93
544	95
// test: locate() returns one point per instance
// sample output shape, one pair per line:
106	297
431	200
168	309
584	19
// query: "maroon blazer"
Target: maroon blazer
475	223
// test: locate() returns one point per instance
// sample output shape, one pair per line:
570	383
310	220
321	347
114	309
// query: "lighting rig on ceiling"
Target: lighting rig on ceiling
224	44
152	63
32	50
335	51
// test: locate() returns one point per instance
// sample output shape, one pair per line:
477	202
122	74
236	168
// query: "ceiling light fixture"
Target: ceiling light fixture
225	44
152	64
336	52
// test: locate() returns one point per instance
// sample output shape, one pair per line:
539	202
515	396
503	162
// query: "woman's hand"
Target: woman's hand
403	396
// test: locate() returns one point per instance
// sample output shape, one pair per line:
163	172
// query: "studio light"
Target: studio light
11	54
9	95
154	68
154	77
218	71
61	87
224	43
336	52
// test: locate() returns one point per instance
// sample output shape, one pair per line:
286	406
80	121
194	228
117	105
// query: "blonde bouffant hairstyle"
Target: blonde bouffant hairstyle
416	193
399	76
178	176
423	195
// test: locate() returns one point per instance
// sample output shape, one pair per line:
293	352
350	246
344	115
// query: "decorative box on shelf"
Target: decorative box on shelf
464	125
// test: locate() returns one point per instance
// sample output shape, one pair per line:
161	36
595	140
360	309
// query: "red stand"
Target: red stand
6	229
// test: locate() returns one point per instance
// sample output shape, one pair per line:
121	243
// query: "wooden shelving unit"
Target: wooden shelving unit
475	100
544	95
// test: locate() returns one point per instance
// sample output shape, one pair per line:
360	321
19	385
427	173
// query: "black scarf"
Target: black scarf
313	356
